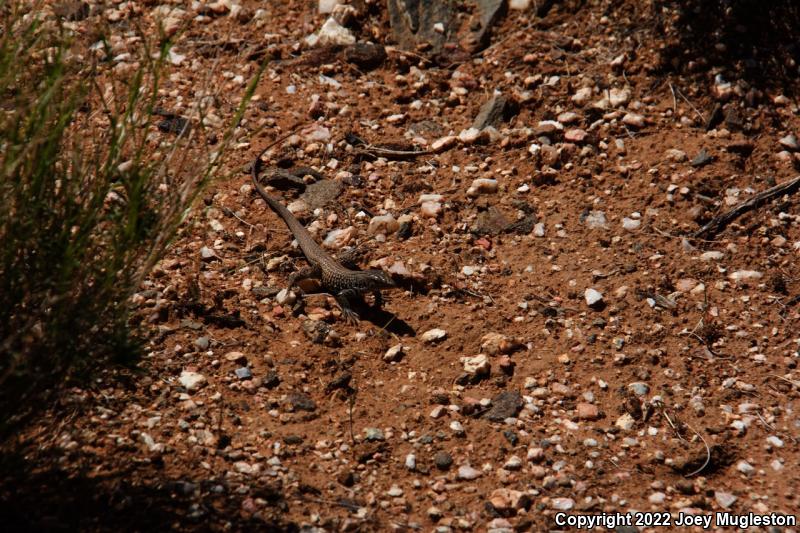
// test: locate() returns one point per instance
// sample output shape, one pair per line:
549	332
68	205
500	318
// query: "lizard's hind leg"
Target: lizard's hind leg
304	273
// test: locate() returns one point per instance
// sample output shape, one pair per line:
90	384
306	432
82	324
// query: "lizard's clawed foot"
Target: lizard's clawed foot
350	316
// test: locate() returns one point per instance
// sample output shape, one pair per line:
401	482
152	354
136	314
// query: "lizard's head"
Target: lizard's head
380	279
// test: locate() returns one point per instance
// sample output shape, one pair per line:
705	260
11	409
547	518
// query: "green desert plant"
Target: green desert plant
91	193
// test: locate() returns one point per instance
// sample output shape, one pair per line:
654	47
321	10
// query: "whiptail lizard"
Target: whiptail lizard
340	281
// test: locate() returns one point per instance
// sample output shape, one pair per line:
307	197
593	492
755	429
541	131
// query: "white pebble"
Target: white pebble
433	335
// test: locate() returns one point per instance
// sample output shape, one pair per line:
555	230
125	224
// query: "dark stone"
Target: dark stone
522	227
702	159
742	147
685	486
715	117
346	478
271	380
413	21
488	14
511	437
293	439
365	55
405	231
301	402
316	330
697	462
496	111
733	121
341	381
443	460
463	379
505	405
367	451
490	222
440	398
175	125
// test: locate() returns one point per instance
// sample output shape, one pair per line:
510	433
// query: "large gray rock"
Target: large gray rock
414	22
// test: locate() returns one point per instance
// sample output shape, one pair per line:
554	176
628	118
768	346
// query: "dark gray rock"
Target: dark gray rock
202	343
365	55
316	330
443	460
702	159
505	405
271	380
413	22
301	402
496	111
489	12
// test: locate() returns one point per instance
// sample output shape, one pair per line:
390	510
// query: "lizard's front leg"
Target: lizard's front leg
378	299
343	299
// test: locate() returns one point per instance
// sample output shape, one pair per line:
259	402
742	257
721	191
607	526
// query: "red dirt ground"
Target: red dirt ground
714	360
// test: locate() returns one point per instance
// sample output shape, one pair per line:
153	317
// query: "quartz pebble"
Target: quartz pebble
562	504
631	224
339	238
582	96
482	186
595	220
430	209
395	353
593	297
468	473
433	335
332	34
478	365
634	120
384	224
625	422
790	143
191	381
444	143
744	275
724	499
712	255
618	97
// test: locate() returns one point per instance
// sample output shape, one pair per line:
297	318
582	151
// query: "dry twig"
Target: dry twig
719	223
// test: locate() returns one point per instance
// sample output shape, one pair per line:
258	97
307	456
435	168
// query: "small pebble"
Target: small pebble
442	460
468	473
482	186
433	335
724	499
562	504
593	297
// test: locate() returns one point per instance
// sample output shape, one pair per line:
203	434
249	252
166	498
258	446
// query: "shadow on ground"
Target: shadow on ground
51	499
749	39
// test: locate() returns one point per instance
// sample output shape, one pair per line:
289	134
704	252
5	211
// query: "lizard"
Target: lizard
344	283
